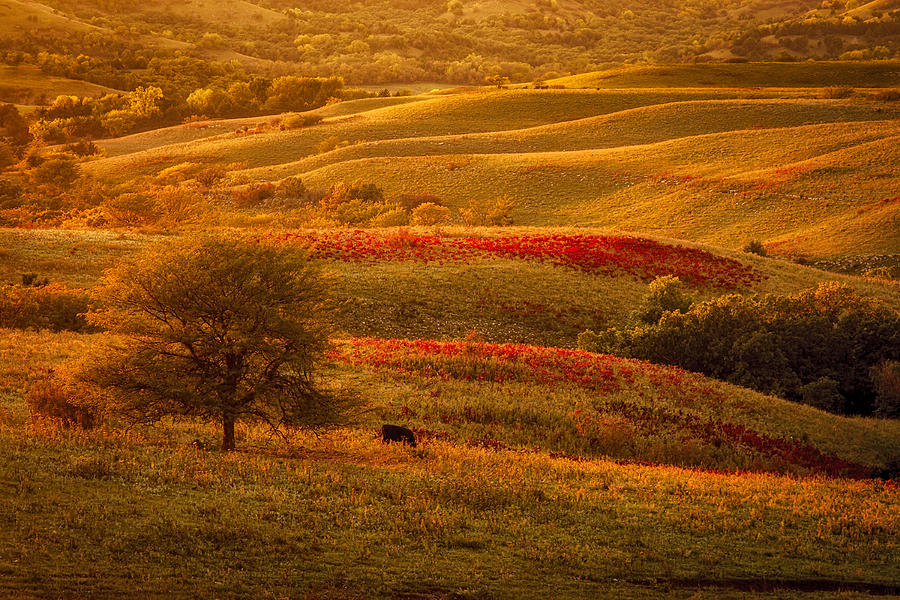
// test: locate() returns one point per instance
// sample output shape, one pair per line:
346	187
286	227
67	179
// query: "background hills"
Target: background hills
182	44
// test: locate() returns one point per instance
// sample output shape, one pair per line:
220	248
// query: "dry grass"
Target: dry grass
882	73
108	513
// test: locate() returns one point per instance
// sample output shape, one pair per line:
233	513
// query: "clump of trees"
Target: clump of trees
223	329
73	118
826	347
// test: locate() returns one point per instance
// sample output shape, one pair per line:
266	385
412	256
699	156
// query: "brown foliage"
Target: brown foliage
49	399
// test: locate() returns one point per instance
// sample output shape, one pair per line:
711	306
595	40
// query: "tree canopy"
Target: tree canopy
215	327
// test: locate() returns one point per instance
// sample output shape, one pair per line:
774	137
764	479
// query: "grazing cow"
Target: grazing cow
395	433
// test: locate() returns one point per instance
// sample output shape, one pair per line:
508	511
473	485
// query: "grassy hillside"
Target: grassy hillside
391	293
29	86
644	125
718	188
804	174
478	510
872	74
197	130
471	112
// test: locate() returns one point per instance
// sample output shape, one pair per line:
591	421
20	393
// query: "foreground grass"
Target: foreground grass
342	517
111	513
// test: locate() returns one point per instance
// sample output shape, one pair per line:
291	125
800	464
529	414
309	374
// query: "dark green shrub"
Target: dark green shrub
755	247
665	294
774	344
823	393
886	379
48	306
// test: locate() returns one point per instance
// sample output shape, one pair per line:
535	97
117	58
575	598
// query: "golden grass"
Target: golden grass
715	165
110	513
859	74
25	84
478	111
694	188
629	127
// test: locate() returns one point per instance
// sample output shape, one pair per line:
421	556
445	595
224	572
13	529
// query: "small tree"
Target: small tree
666	293
218	328
430	214
755	247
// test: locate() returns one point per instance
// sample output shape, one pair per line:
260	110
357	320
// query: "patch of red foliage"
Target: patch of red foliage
499	363
595	254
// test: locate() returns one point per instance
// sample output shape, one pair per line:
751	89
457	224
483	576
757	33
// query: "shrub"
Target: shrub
210	175
356	212
50	399
131	209
892	95
395	217
430	214
32	280
755	247
176	205
331	143
253	195
298	121
886	379
774	344
83	148
340	193
290	187
838	92
49	306
178	173
665	294
367	192
823	393
412	201
497	211
58	172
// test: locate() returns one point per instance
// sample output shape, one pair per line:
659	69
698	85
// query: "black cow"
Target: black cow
395	433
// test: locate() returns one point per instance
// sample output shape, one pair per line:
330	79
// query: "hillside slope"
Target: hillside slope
477	496
717	188
415	284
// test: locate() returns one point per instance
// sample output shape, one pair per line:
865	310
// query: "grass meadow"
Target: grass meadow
807	174
143	511
541	470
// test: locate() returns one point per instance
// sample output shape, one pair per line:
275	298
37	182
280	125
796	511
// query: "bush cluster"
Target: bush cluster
50	399
50	306
819	347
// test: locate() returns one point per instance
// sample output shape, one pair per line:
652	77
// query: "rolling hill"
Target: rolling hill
386	290
555	476
807	175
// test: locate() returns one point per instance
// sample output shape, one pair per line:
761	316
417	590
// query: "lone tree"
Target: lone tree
219	328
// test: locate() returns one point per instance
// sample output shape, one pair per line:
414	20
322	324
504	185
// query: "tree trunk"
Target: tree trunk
228	433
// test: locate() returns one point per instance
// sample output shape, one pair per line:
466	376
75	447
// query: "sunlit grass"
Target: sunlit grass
111	512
